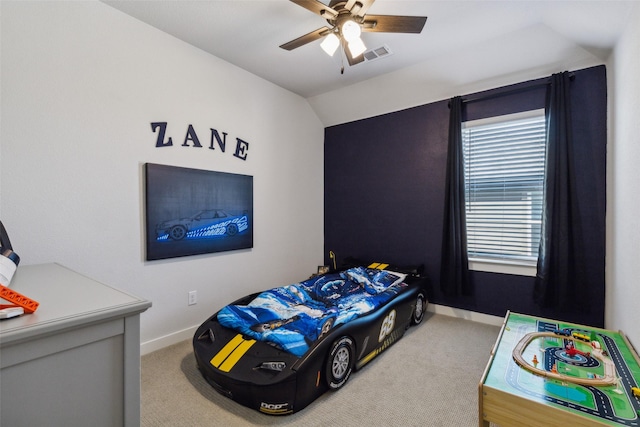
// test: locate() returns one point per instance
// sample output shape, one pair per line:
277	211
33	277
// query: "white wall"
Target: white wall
81	83
449	74
623	250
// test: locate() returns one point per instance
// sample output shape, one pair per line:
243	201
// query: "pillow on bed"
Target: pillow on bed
413	270
374	281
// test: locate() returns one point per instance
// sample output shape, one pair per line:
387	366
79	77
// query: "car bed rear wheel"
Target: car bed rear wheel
340	362
419	309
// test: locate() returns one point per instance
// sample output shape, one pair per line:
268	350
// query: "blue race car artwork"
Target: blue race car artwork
278	350
204	224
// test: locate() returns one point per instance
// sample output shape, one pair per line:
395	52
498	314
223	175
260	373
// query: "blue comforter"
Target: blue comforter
293	317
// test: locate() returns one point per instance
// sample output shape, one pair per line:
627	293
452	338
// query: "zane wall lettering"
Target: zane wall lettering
191	139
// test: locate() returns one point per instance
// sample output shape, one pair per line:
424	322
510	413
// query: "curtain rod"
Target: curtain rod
509	90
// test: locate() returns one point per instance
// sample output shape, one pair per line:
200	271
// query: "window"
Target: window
504	164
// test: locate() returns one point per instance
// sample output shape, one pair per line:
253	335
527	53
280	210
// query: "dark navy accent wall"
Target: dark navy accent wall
384	186
384	193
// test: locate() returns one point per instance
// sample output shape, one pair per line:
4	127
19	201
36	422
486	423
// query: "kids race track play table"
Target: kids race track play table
549	373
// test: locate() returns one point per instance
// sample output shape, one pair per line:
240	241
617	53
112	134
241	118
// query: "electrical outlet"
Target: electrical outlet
193	297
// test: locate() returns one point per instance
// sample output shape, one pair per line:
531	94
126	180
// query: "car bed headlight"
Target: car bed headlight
273	366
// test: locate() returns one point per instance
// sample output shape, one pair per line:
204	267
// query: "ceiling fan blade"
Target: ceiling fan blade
307	38
393	24
358	7
317	7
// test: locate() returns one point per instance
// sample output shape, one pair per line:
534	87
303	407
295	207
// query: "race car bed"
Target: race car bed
278	350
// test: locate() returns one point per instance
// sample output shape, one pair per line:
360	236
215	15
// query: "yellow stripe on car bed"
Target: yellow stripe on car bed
226	358
378	265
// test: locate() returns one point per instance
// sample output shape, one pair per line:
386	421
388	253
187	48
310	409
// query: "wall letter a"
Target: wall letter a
191	136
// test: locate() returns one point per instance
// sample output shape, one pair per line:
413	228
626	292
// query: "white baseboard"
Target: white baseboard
185	334
167	340
465	314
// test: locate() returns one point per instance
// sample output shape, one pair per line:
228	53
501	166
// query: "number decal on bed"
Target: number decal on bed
387	325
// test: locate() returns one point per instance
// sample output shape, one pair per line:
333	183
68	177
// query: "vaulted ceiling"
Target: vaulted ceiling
465	45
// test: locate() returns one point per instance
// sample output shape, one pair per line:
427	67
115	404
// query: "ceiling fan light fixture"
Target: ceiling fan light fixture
346	19
350	30
330	44
357	47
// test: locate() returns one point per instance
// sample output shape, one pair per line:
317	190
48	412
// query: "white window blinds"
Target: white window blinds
504	163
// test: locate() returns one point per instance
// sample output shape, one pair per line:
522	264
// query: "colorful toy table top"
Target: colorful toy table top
594	373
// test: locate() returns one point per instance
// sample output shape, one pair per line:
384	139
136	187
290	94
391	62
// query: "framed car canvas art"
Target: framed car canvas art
194	211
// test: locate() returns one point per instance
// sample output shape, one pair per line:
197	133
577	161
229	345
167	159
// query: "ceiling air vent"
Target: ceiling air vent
377	53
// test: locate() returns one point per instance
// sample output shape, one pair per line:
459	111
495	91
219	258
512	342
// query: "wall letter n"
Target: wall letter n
215	136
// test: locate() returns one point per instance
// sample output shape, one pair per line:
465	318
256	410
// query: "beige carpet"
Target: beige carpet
428	378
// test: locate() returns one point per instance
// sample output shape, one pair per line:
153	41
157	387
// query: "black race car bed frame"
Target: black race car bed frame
264	376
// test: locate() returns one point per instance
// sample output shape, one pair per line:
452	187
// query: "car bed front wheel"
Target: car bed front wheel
340	362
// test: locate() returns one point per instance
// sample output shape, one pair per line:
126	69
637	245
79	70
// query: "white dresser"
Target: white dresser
76	360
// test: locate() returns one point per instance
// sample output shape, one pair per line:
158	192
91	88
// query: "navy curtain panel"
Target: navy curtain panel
454	268
561	261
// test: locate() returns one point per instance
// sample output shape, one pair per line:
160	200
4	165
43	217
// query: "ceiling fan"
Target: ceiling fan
347	19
